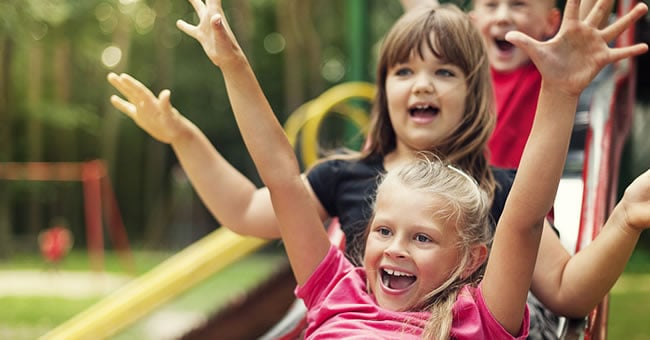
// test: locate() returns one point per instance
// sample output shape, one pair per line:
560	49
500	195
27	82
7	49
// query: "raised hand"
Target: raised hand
571	59
636	203
153	114
212	32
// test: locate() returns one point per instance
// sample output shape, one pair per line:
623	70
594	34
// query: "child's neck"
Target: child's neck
398	157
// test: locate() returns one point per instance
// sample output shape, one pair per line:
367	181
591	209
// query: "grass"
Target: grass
78	260
629	307
30	317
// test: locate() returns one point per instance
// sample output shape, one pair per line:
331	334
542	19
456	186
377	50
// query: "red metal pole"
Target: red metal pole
90	176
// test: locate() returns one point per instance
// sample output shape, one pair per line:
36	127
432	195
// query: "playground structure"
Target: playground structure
98	198
591	199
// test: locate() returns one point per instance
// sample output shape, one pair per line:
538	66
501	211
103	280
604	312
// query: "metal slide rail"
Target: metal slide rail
610	114
209	255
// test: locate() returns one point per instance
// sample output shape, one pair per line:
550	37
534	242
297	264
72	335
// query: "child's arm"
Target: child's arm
573	286
304	237
231	197
568	62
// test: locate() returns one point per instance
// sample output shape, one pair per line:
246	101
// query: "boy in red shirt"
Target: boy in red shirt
515	79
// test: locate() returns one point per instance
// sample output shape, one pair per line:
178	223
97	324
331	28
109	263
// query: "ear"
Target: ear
477	256
553	20
472	16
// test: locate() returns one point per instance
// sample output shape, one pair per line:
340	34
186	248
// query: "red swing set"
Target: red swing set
98	198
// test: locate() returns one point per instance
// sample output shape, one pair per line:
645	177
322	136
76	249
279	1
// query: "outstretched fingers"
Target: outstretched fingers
165	100
599	13
617	54
186	28
198	6
571	10
123	106
213	5
132	89
610	32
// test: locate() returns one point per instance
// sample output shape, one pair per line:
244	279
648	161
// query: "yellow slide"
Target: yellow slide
214	252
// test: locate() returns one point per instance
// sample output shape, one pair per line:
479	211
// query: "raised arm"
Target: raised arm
573	286
568	62
231	197
302	231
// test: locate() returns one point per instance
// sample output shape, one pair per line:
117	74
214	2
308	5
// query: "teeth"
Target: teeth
396	273
421	107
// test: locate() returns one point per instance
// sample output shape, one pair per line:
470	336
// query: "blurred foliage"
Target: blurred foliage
55	55
54	58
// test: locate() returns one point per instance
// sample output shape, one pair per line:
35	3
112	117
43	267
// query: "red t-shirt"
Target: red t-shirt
516	95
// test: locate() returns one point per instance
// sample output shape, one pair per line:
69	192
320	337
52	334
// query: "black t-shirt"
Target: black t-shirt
346	189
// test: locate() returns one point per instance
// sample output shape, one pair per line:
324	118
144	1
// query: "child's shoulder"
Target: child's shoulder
475	321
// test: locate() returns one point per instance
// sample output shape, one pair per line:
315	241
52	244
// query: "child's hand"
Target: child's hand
636	203
154	115
212	32
572	58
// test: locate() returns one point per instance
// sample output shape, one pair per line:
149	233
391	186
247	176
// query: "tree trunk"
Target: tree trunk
286	13
313	48
34	211
111	121
68	204
6	145
110	126
156	184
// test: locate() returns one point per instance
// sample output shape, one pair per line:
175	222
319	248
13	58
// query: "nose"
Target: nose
396	249
502	13
423	85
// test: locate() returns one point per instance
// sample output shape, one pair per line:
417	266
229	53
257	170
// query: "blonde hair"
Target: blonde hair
466	208
450	35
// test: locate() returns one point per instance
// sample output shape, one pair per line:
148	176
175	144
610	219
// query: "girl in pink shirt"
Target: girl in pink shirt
427	242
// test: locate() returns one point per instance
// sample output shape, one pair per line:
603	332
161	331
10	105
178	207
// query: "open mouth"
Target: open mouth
397	280
424	111
503	45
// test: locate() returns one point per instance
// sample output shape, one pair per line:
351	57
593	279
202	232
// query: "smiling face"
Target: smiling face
433	90
494	18
409	251
426	100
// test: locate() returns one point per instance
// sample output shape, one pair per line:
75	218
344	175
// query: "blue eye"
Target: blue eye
383	231
445	73
422	238
401	71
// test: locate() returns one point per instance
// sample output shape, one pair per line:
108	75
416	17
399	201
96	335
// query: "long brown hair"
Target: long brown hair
450	35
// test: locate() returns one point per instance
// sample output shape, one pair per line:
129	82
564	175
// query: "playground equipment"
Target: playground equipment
55	243
610	117
210	254
98	199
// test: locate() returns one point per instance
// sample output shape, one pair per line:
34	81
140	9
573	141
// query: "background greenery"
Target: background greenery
54	57
26	318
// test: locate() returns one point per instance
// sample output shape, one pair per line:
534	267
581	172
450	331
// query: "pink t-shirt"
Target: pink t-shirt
516	95
339	307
